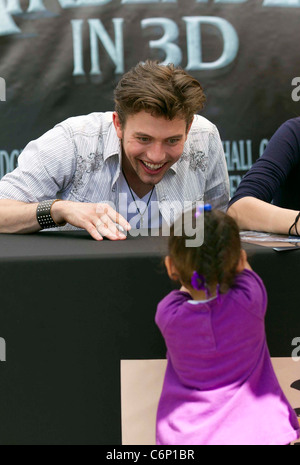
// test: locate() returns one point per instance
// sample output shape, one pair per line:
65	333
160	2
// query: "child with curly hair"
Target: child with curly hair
220	387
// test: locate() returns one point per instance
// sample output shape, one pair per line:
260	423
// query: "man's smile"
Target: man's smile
152	168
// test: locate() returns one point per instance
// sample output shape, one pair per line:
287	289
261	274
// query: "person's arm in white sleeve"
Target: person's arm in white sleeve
45	168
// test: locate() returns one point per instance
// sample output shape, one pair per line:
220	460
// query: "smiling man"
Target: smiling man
124	169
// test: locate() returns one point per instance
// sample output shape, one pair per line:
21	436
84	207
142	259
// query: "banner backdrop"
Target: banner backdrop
61	58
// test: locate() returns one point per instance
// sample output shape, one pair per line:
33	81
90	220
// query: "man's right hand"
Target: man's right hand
98	219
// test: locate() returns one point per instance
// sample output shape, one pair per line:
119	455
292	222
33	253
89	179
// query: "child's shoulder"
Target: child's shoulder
248	277
250	292
174	298
169	305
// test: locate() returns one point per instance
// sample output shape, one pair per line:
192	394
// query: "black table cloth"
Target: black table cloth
73	308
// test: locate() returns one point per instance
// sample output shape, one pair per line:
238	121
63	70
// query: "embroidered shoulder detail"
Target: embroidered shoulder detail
92	163
196	158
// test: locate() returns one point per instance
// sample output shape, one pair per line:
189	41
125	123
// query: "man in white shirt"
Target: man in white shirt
92	172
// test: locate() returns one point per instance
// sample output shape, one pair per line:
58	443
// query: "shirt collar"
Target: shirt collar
174	167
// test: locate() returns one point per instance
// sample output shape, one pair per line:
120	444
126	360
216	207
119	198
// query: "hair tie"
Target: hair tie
202	208
199	283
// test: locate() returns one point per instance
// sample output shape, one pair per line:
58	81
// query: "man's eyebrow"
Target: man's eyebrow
176	136
141	134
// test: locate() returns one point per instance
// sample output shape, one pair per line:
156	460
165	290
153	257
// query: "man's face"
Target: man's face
151	145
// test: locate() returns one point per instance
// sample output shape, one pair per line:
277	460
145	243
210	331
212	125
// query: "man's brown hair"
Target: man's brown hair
160	90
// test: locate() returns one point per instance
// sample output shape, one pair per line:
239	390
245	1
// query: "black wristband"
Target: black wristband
295	224
43	214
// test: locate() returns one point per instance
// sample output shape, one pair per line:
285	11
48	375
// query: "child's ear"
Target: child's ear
171	269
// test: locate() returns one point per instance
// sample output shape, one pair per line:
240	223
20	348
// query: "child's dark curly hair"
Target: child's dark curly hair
216	259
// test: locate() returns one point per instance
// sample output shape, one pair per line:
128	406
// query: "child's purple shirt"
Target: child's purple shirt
220	386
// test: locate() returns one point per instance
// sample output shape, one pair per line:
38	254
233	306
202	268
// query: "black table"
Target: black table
72	308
